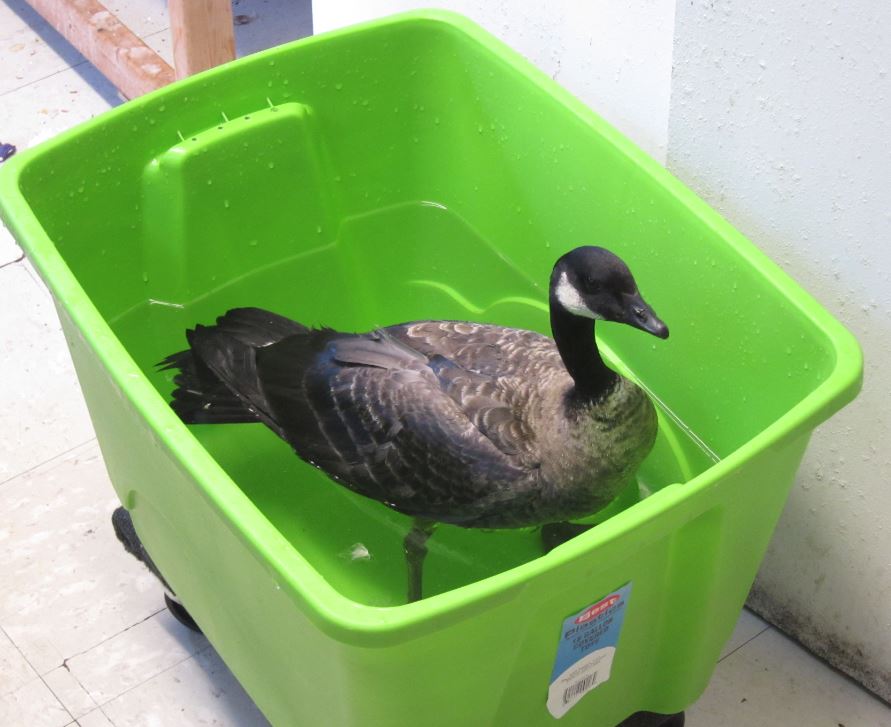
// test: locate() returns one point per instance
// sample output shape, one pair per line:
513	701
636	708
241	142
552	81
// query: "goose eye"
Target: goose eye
591	284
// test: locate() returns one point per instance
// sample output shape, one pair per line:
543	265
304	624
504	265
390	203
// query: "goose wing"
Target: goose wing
421	433
497	351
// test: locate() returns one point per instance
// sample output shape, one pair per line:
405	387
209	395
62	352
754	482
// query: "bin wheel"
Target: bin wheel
652	719
180	614
675	720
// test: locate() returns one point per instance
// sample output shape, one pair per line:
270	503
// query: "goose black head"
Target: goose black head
592	282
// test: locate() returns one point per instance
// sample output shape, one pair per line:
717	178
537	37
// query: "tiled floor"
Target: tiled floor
84	637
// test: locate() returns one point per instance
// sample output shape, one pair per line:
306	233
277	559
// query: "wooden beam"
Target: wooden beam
203	34
108	44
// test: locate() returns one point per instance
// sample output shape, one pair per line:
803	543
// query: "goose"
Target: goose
472	424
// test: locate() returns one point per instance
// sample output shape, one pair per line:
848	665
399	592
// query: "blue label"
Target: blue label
587	647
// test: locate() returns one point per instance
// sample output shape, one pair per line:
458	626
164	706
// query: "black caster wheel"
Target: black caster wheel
180	614
126	534
675	720
652	719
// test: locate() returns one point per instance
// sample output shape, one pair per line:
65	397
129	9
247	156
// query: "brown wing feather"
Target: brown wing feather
492	373
372	413
486	349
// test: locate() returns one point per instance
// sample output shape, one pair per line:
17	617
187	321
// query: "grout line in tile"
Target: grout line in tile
84	62
822	660
99	643
73	67
39	676
105	640
35	276
154	33
47	461
79	683
70	67
744	643
154	676
21	653
3	631
42	78
58	701
13	262
105	714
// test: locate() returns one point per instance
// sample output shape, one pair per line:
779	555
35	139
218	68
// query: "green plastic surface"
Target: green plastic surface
409	168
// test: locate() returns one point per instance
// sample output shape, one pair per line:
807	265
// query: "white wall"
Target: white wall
781	118
615	56
778	114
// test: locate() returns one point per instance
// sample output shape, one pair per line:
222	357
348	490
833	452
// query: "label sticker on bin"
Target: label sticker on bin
587	647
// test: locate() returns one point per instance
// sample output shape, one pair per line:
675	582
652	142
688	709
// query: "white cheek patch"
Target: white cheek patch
571	300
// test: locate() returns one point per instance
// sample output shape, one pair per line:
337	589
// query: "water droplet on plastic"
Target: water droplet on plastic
226	203
271	165
145	277
338	86
253	243
319	229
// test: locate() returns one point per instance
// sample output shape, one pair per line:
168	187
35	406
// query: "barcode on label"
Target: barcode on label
579	687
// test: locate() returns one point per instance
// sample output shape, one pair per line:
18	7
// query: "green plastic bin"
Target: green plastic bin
408	168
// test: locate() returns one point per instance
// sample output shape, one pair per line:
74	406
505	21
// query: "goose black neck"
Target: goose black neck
574	336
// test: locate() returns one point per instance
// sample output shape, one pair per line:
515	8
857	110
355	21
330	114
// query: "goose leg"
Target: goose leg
415	547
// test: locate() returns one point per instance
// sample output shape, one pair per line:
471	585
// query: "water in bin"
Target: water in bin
360	552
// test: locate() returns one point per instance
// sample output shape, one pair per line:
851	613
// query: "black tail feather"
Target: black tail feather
200	396
256	327
216	383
